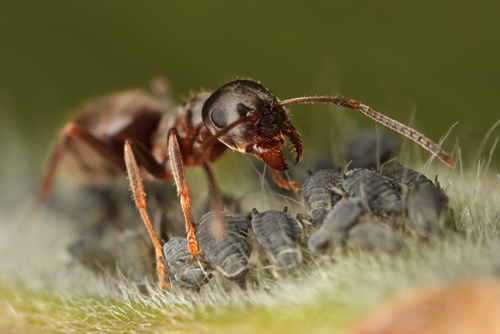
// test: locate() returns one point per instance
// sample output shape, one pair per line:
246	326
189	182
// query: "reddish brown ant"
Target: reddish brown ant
241	115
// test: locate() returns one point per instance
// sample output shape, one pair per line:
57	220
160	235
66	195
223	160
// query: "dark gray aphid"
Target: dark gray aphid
97	249
426	204
370	149
317	199
376	191
135	258
181	266
243	222
371	235
404	176
228	253
333	233
279	235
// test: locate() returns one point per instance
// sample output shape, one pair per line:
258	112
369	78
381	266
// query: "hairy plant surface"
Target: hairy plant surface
41	291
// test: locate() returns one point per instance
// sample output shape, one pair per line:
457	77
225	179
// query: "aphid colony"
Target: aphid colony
143	134
372	213
362	208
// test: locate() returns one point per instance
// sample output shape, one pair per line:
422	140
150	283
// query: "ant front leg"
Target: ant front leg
288	185
140	201
179	173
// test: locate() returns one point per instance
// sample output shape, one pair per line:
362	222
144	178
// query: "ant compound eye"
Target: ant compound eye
219	118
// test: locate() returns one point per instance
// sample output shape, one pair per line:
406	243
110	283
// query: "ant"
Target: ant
156	141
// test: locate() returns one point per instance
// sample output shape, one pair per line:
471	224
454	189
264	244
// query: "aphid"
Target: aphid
381	198
241	115
349	225
181	267
333	232
317	196
404	176
279	235
226	252
426	204
370	149
134	258
96	248
371	235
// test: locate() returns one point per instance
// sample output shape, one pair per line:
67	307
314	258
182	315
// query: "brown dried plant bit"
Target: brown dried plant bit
459	308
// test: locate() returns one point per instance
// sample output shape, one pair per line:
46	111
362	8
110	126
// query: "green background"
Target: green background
440	58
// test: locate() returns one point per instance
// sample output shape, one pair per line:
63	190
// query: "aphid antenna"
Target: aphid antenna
338	191
388	162
346	167
378	117
288	198
364	200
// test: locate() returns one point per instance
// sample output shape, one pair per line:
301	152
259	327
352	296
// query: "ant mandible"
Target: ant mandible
242	115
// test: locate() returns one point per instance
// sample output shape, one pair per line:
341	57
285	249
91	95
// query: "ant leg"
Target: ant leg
216	200
69	131
282	182
140	202
214	190
179	173
147	160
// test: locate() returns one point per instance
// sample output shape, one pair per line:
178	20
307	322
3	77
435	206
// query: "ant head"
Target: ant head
261	136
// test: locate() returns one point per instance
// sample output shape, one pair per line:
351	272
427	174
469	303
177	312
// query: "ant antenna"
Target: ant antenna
384	120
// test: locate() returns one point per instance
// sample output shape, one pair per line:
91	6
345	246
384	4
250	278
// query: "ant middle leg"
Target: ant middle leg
288	185
179	173
137	186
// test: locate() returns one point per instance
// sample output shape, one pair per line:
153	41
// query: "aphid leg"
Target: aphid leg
179	173
215	201
69	131
337	191
140	202
304	225
289	185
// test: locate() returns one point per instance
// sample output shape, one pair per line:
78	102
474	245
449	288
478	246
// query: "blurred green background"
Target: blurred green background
440	58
